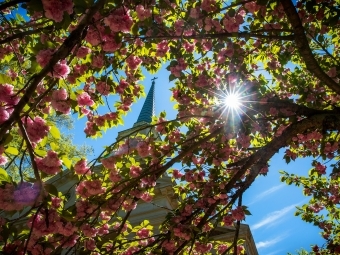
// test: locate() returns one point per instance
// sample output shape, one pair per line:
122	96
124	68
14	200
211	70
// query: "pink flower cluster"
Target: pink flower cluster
15	198
83	51
60	70
209	5
3	159
252	7
8	100
238	213
50	164
103	88
232	24
135	171
36	129
119	20
109	163
54	9
142	13
162	48
84	99
90	188
81	167
133	62
180	66
320	168
203	248
59	101
143	149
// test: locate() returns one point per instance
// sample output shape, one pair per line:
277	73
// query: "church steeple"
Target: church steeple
145	115
148	109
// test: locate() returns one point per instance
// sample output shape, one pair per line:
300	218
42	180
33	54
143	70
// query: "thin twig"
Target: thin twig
30	150
31	230
23	34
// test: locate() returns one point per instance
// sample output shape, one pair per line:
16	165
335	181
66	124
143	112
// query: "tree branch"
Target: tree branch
303	46
221	35
25	33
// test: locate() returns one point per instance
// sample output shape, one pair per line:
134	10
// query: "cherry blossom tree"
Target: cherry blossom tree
277	61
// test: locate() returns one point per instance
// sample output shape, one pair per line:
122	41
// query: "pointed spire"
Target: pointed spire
148	109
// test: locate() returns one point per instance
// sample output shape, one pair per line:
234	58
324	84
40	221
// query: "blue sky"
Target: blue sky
274	227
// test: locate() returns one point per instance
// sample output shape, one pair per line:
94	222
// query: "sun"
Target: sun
233	101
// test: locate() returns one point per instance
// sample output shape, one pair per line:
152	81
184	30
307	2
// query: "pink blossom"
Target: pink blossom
135	171
209	5
320	168
176	174
230	24
110	44
36	129
94	35
54	9
143	149
4	115
162	48
50	164
142	13
109	162
97	61
60	70
90	244
103	88
81	167
119	20
228	220
238	213
133	62
83	52
89	231
252	7
90	188
90	129
143	233
84	99
44	56
3	160
146	197
59	101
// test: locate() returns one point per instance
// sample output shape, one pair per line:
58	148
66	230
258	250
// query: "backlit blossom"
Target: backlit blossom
50	164
54	9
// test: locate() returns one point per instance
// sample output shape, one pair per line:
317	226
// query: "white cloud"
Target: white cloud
273	217
267	193
274	252
265	244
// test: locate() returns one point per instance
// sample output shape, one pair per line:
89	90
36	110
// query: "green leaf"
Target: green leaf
55	132
51	189
231	12
67	162
172	77
41	153
8	139
54	146
4	177
5	79
12	150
